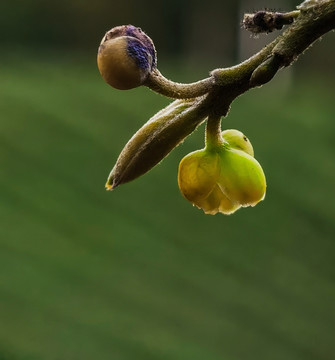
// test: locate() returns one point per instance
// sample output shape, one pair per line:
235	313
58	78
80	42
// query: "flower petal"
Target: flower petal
197	175
242	178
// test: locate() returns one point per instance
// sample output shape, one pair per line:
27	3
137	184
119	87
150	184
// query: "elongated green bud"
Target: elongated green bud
155	140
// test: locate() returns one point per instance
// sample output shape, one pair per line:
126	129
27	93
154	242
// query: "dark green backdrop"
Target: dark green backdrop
139	273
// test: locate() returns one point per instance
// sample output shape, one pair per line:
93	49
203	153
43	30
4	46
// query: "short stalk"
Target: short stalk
213	132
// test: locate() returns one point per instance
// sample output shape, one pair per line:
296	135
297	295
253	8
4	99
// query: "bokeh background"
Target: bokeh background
139	273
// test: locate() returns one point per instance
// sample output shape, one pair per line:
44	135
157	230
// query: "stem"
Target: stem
213	132
160	84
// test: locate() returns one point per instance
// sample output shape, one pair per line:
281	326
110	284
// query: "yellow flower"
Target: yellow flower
224	178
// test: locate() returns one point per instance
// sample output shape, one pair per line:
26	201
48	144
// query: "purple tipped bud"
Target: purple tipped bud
126	57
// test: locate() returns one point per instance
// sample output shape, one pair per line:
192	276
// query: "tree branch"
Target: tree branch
313	20
310	25
211	97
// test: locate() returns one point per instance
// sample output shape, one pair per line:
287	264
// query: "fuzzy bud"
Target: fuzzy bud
266	21
126	56
154	140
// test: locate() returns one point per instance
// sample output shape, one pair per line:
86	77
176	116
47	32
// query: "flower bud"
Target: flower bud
237	140
222	179
155	140
126	57
198	180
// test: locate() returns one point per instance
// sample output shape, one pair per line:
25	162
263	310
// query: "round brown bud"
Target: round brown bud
126	57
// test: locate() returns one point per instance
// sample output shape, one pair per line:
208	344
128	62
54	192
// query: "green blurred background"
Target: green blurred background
139	273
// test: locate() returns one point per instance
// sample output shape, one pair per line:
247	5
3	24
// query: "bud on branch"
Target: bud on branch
208	178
